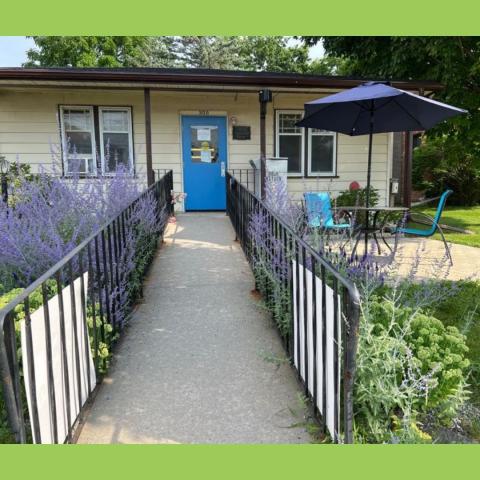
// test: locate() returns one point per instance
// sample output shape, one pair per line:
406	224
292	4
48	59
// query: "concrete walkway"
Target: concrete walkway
200	361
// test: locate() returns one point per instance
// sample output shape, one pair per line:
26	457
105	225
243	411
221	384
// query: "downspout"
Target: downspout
264	96
148	137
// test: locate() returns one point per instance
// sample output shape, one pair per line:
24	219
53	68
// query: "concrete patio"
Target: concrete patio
425	258
201	362
421	259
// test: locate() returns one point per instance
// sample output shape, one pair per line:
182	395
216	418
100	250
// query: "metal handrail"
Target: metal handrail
241	203
100	254
352	288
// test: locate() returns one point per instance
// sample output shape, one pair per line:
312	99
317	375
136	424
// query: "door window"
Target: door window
204	144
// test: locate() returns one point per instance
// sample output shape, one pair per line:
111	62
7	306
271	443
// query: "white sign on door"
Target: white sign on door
203	135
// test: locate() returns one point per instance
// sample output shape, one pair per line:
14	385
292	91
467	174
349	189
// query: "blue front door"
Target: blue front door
204	145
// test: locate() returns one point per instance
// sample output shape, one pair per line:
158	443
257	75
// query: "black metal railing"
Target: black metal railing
319	305
85	283
249	177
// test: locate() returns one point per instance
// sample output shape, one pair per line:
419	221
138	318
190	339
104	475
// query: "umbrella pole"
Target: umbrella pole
369	172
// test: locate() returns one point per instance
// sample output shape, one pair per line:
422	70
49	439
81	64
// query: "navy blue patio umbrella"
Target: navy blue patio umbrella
375	107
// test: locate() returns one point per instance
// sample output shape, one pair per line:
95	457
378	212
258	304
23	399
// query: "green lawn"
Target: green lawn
467	218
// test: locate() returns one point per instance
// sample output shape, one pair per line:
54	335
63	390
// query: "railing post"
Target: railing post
8	388
351	344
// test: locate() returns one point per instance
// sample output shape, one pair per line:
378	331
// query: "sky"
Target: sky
13	51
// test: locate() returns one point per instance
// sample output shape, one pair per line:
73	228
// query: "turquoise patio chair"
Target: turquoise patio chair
320	214
428	232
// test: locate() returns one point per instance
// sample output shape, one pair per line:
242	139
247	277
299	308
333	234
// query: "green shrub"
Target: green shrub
455	304
351	198
438	351
461	177
408	363
439	165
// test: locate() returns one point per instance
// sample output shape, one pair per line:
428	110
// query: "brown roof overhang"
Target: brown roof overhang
199	76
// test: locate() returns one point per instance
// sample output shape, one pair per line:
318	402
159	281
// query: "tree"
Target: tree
329	65
163	52
89	52
452	61
274	54
209	52
216	52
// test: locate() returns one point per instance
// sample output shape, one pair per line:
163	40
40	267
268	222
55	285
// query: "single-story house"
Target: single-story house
196	122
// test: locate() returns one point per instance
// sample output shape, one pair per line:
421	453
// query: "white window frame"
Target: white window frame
64	139
131	166
325	133
277	139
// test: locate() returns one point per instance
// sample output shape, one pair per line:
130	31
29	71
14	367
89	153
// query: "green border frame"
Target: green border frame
228	462
243	17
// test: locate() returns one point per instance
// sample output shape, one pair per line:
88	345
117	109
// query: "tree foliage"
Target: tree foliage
274	54
89	51
251	53
208	52
452	61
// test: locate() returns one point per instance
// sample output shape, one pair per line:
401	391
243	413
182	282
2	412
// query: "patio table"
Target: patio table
374	227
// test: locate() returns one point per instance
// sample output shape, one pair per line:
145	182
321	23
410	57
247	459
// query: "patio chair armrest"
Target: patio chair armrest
424	215
428	200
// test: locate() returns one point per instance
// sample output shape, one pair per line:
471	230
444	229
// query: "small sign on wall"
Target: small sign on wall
241	132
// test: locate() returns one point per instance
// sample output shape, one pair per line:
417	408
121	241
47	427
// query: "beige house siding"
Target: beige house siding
29	127
29	123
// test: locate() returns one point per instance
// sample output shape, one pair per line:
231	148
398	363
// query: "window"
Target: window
289	140
204	144
322	147
80	136
78	140
115	139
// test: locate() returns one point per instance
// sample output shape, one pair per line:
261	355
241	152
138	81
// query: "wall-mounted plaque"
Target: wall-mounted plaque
241	132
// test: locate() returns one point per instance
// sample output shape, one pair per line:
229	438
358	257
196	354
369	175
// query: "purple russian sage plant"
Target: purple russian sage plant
270	253
278	199
49	215
271	267
48	218
141	233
